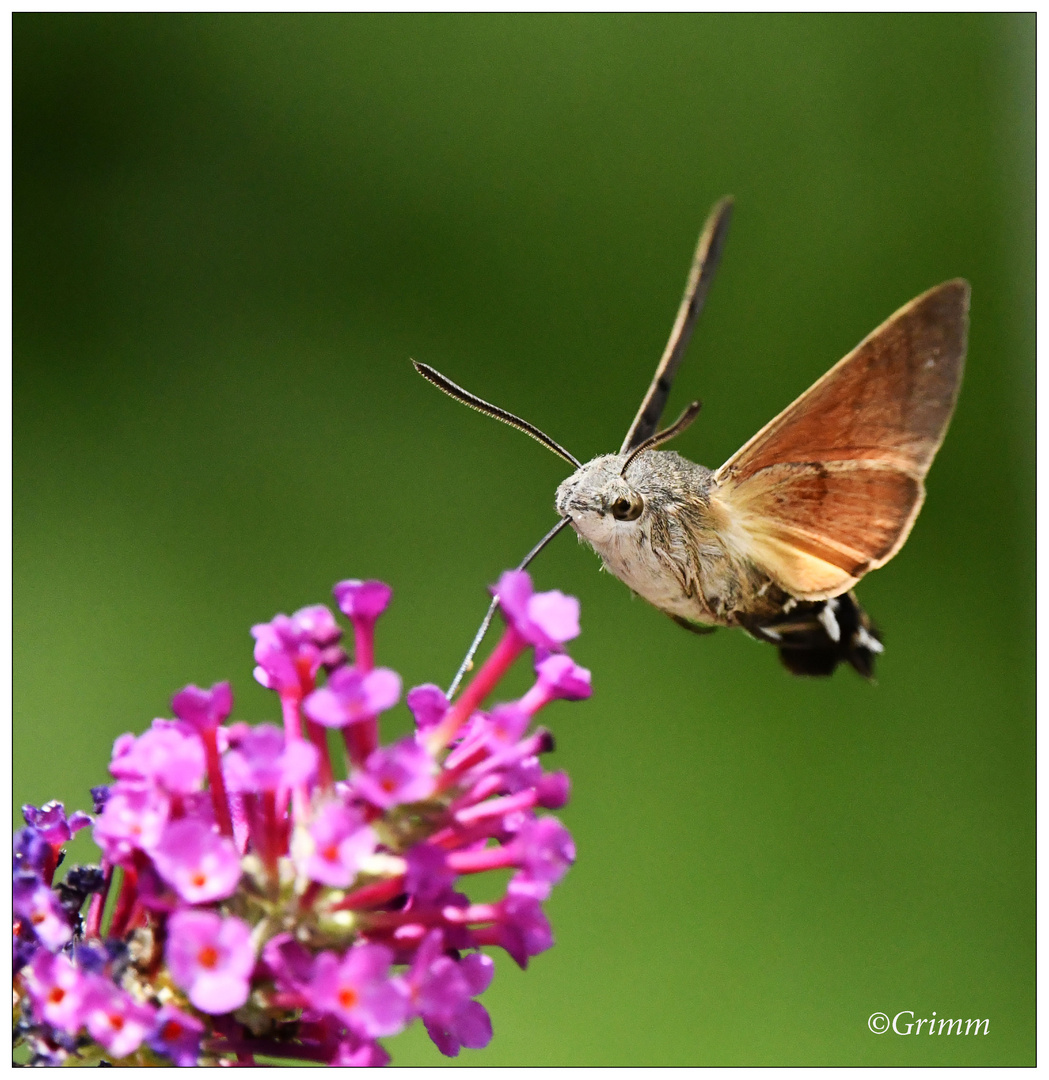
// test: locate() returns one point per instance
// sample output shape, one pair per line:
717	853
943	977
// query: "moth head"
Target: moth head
600	501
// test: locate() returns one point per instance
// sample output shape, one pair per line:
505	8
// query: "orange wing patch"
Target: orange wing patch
816	528
830	488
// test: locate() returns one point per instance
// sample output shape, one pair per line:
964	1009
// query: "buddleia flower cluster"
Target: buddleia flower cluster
252	905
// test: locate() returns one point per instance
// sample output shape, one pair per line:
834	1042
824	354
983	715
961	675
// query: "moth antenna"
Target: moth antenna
704	264
679	425
467	663
457	392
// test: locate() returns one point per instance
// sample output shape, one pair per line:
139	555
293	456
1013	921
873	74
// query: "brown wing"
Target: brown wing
830	488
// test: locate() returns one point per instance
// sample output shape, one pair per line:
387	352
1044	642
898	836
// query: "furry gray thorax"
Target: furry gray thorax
672	554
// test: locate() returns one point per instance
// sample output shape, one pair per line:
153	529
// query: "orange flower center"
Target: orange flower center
56	995
347	997
208	957
116	1021
331	853
37	917
387	785
200	879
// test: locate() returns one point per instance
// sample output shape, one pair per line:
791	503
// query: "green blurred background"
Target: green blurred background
231	233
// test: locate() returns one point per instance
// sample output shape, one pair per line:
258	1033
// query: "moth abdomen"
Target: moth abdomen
815	636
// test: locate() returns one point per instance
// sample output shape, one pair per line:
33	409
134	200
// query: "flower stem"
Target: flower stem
289	707
216	783
319	737
93	924
361	738
125	902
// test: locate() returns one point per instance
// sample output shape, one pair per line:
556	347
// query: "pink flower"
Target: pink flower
35	904
441	989
428	705
546	620
364	600
318	624
402	773
114	1018
176	1035
203	709
211	958
559	676
288	659
301	908
198	863
337	841
352	696
134	817
261	759
56	988
169	754
358	990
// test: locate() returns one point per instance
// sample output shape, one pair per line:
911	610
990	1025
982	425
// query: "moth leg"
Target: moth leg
694	628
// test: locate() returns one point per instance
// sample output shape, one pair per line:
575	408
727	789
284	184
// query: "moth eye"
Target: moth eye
628	509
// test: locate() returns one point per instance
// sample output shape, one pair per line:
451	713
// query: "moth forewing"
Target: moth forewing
830	488
889	400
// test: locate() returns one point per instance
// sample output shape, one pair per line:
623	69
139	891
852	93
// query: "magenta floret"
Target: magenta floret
211	958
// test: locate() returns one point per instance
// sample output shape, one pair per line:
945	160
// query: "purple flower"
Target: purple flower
471	1026
402	773
261	760
436	986
503	726
286	655
358	990
441	989
478	970
334	845
169	754
553	790
352	696
288	961
33	855
428	705
198	863
558	677
203	709
134	817
114	1018
51	823
211	958
428	876
546	620
362	600
177	1036
359	1054
524	931
318	624
546	850
56	988
38	908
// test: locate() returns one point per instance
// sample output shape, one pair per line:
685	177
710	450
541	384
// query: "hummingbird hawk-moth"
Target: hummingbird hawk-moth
775	539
